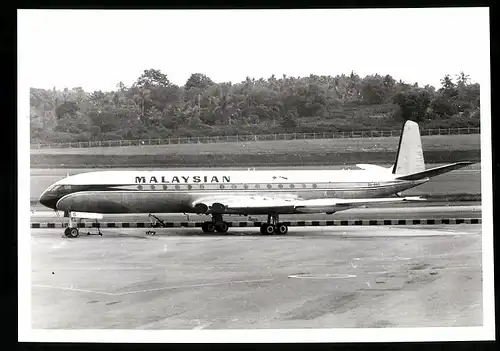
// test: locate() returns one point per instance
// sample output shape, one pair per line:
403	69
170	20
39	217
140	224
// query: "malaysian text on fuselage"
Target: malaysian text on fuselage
182	179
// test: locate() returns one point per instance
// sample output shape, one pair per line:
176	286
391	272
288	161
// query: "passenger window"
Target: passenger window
315	186
202	186
177	187
222	186
165	187
280	186
257	186
292	186
139	187
245	186
269	186
152	187
234	186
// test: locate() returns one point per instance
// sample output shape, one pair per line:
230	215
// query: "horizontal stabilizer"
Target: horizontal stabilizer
368	167
435	171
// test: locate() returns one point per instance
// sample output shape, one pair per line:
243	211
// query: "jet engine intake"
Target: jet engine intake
201	208
217	208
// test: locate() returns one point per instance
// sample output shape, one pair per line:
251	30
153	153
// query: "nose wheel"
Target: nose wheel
71	232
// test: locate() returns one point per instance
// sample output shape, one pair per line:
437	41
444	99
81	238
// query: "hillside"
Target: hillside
155	108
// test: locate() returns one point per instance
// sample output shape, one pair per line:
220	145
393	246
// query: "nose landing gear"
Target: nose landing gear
71	232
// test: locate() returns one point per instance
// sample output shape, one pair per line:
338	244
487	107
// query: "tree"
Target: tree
373	89
121	86
290	119
95	131
73	123
413	104
152	78
443	107
97	98
198	80
463	79
153	117
472	94
67	108
448	88
388	82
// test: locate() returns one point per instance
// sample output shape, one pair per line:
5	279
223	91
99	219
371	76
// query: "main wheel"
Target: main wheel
221	227
267	229
208	227
73	232
66	231
282	229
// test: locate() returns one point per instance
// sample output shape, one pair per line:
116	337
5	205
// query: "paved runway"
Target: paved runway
427	276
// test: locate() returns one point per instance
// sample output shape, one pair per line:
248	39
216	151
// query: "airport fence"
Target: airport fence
252	137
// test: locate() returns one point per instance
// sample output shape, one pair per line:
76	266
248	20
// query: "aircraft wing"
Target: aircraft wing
264	205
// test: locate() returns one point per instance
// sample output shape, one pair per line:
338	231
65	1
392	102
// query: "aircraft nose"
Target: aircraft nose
48	200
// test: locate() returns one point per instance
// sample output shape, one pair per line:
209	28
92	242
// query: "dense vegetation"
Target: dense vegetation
153	107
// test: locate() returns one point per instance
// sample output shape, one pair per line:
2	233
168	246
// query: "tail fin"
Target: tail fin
410	163
410	157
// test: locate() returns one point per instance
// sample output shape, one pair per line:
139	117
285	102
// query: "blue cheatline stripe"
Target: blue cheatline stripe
322	223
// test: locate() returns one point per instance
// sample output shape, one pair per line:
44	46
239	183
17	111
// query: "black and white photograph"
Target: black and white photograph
246	175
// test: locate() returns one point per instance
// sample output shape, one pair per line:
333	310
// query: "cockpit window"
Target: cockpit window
58	187
55	188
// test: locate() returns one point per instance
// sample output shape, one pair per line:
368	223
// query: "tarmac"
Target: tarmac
313	277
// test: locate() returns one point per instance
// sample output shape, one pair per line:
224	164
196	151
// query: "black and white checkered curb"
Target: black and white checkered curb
363	222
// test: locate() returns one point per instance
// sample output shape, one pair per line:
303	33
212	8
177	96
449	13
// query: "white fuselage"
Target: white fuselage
177	191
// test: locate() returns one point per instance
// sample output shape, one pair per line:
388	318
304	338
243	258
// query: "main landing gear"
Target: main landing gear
216	225
273	226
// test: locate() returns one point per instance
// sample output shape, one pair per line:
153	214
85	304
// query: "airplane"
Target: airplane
251	192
